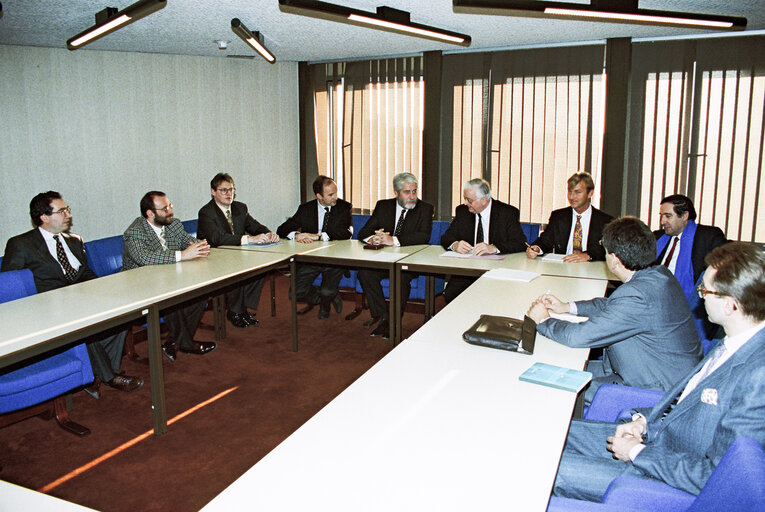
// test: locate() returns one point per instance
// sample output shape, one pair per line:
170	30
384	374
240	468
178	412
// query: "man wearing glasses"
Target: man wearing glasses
645	326
157	238
224	221
682	439
56	258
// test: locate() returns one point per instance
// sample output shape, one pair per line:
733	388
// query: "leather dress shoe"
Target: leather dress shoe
369	323
250	318
126	383
323	313
94	389
337	302
382	329
199	347
170	350
237	319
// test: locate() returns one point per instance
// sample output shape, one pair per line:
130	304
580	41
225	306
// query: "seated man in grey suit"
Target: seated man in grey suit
681	439
401	221
481	226
574	231
325	218
645	326
224	221
54	265
158	238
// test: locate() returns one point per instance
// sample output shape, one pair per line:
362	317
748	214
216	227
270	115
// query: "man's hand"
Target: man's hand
462	247
538	312
553	303
196	250
575	257
484	248
381	237
263	238
621	446
635	429
306	238
533	251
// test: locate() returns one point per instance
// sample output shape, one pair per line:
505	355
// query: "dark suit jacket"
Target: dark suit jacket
706	239
417	226
306	219
684	448
29	250
555	237
504	228
213	226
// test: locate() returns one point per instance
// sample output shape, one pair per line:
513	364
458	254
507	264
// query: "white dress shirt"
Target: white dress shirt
51	243
585	222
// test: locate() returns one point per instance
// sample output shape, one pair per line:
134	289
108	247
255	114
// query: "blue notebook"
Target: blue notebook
556	377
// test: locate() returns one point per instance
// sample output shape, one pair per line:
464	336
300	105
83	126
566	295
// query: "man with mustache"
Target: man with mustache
157	238
400	221
56	258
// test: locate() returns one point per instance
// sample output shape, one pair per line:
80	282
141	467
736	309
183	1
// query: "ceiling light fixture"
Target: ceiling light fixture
255	40
615	11
110	20
386	18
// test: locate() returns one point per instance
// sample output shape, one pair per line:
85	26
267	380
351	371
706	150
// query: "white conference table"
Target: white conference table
40	323
430	262
351	253
17	498
437	424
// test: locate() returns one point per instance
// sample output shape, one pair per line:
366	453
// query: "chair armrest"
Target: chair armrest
647	495
569	505
611	399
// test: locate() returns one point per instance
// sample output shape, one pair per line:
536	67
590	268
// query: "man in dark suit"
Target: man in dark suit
574	231
54	265
682	439
645	325
224	221
481	226
324	218
158	238
401	221
682	245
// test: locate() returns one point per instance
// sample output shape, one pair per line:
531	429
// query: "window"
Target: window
368	121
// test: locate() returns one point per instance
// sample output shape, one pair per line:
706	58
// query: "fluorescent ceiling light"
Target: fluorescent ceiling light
254	40
386	18
110	20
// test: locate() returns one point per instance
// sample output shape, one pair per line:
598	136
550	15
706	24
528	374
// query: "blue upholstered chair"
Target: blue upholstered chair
190	226
104	255
736	485
36	387
612	402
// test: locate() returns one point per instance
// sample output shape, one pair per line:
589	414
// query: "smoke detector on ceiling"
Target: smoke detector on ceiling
222	45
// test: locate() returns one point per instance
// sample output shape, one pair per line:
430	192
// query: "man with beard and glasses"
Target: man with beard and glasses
400	221
481	226
56	258
158	238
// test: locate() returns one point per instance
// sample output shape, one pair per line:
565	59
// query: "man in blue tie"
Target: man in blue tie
681	439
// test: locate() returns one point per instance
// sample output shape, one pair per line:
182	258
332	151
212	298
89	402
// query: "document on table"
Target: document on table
384	256
508	274
556	377
265	245
452	254
558	258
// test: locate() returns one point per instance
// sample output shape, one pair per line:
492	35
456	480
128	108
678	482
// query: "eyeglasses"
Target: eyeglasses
703	292
63	211
168	207
227	190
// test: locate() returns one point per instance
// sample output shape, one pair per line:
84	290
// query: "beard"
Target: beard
407	205
164	220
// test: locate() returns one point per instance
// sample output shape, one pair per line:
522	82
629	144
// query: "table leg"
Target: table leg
293	283
156	372
430	296
394	304
273	292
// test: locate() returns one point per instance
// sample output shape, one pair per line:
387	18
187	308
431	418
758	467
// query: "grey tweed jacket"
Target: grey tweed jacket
142	247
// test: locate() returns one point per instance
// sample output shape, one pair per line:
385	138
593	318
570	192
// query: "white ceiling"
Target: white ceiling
190	27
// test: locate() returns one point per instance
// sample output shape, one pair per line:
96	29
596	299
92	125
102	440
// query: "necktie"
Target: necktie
712	361
577	246
162	239
700	376
69	270
326	220
400	223
230	220
671	252
479	231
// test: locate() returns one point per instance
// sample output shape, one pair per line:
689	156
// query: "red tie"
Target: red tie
670	253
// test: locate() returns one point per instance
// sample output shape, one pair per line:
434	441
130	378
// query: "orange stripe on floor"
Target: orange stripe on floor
108	455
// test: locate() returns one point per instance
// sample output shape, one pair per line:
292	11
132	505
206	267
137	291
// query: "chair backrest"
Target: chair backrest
738	482
190	226
16	284
358	222
104	255
439	227
530	230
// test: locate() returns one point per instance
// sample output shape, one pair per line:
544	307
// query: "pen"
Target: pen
527	245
